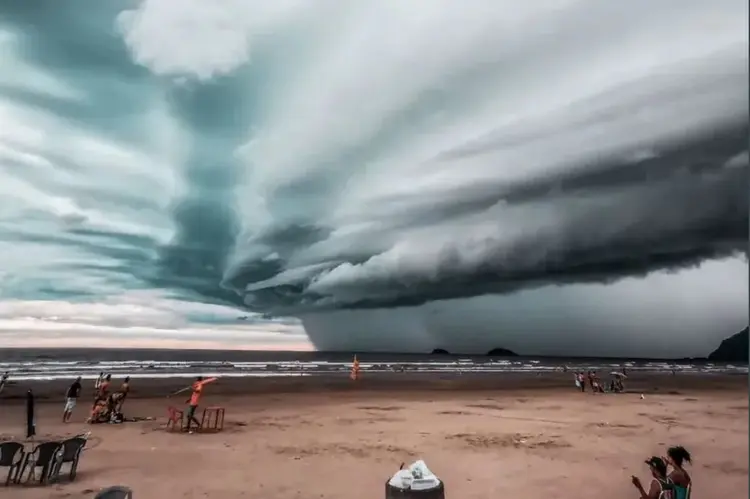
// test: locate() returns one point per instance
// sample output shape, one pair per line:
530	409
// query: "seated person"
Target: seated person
100	411
104	409
114	403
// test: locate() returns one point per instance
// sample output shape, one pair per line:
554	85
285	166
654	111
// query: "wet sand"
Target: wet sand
320	437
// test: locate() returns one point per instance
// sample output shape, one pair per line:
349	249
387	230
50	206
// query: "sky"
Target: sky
566	177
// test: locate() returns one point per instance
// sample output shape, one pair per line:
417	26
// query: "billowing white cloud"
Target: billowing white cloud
199	39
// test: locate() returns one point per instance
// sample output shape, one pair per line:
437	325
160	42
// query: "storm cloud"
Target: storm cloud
394	175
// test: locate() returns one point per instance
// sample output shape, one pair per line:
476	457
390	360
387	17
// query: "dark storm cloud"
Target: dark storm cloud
614	188
610	221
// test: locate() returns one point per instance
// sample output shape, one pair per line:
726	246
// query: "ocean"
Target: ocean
52	364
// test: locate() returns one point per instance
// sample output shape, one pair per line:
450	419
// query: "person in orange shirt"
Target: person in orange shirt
194	400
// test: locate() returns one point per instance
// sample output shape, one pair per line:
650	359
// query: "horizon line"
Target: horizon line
360	353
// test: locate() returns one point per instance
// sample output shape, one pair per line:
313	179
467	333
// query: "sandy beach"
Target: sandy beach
514	436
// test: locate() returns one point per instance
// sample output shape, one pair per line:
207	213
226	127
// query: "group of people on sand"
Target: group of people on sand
666	484
591	379
107	406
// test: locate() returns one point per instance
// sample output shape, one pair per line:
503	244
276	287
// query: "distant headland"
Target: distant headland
733	349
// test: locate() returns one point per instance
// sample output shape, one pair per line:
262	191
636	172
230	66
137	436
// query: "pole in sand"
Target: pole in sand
30	421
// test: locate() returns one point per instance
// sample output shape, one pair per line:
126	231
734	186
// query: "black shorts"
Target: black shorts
191	411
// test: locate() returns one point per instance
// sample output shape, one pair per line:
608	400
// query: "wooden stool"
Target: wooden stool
214	416
175	416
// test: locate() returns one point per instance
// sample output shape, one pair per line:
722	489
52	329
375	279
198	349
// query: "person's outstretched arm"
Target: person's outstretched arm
653	492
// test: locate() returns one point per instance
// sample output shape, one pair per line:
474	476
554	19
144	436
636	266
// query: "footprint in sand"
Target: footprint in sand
727	467
515	440
494	407
386	408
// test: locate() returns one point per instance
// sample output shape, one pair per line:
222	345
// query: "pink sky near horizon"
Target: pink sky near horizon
167	344
141	320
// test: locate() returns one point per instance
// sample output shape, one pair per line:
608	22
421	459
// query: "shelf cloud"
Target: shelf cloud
568	177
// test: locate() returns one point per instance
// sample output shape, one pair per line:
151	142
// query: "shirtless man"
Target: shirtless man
103	390
102	394
123	394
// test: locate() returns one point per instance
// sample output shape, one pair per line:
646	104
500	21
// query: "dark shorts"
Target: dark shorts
191	411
